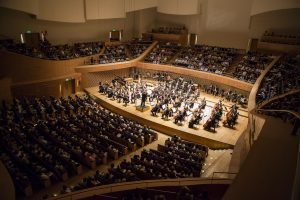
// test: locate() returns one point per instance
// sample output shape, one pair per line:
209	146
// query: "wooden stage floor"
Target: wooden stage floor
223	138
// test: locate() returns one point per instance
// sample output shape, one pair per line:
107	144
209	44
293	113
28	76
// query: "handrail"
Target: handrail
92	68
297	115
212	177
252	97
104	189
53	60
263	103
226	80
162	191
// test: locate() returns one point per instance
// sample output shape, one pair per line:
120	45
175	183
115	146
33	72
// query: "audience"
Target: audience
270	36
113	54
137	46
55	52
289	102
163	53
282	78
46	140
170	30
180	159
205	58
251	66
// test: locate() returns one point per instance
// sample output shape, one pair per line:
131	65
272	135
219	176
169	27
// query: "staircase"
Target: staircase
175	56
234	64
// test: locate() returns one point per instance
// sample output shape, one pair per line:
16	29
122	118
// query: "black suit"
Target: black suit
144	97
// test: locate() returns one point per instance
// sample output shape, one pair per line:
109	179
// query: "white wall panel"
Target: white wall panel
92	9
133	5
28	6
16	22
178	7
167	6
261	6
225	23
62	11
109	9
188	7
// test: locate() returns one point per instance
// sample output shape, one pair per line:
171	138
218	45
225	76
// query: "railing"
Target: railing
267	101
252	97
297	115
147	184
229	176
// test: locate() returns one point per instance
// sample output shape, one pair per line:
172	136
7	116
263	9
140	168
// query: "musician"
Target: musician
119	96
203	104
100	87
231	116
198	116
126	99
167	113
242	100
181	115
178	117
192	121
155	109
144	98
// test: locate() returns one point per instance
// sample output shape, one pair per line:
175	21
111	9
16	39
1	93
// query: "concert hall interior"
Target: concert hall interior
149	99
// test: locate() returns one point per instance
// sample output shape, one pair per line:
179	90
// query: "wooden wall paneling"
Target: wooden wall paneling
199	74
22	68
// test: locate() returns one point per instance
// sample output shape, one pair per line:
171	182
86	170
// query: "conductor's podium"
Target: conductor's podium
139	107
142	109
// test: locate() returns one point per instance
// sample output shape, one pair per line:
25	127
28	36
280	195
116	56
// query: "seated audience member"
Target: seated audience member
251	66
283	77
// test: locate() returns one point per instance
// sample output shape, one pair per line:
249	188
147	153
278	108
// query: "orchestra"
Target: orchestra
175	99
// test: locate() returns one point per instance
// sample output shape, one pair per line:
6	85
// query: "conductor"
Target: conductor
144	97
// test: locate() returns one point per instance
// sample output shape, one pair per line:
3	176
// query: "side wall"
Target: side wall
13	23
279	21
91	79
5	92
7	189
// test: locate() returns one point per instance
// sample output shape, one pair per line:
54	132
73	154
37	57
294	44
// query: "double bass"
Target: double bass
231	117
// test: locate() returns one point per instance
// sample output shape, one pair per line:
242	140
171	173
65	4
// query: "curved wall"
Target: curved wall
28	6
261	6
61	11
178	7
279	21
13	23
223	80
77	11
168	68
117	187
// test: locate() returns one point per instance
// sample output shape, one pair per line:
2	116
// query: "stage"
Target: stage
223	138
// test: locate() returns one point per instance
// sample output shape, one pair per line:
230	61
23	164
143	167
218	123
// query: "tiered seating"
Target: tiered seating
178	159
138	46
272	37
251	66
55	52
170	30
206	58
23	182
282	78
288	102
113	54
48	140
163	53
